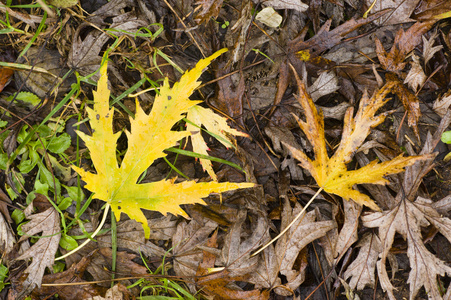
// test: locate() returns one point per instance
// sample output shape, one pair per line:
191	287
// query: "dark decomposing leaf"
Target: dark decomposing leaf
405	41
409	101
207	9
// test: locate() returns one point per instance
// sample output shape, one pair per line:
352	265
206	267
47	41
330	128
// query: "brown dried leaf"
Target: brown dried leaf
442	104
85	53
407	218
428	49
362	269
72	275
348	233
219	284
401	10
326	39
208	9
405	41
325	84
301	233
43	251
186	254
410	102
236	252
287	4
416	77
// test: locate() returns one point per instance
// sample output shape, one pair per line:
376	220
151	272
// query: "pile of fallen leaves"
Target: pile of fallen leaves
338	123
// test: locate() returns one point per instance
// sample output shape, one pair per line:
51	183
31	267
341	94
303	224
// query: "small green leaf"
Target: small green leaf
30	99
3	160
75	193
446	137
58	266
67	242
18	216
65	203
59	144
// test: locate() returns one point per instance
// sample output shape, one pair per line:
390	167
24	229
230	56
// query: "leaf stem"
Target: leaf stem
291	224
105	214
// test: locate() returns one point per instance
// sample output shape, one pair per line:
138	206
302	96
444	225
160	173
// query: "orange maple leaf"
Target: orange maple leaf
331	173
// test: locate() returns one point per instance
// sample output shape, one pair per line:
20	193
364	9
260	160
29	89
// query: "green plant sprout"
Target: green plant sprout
446	138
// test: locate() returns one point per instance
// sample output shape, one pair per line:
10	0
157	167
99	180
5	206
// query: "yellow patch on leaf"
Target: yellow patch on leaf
150	135
331	173
216	126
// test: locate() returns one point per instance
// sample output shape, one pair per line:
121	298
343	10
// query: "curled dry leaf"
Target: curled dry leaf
416	77
442	105
428	47
331	173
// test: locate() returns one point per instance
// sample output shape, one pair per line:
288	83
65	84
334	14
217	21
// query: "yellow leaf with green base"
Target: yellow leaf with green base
150	135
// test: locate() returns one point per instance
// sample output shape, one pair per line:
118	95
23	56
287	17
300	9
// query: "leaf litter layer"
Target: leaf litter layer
381	222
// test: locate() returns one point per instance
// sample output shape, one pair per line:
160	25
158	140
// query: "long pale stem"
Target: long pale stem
291	224
105	214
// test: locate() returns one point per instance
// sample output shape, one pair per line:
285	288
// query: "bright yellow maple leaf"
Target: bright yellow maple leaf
218	127
150	135
331	173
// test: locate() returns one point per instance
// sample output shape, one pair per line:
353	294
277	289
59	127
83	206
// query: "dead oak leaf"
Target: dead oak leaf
331	173
407	218
43	251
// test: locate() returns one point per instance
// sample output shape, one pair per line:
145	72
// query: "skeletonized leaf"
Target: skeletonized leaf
150	135
331	173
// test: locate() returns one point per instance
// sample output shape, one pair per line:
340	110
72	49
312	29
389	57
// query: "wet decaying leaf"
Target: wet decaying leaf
405	41
409	101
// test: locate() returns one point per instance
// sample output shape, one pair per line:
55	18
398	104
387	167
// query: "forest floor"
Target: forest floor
339	107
